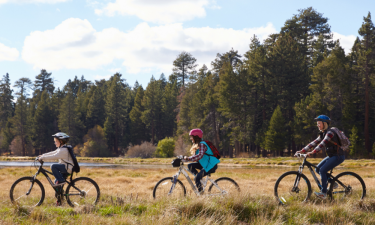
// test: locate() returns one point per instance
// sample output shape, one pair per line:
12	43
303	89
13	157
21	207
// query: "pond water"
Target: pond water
139	166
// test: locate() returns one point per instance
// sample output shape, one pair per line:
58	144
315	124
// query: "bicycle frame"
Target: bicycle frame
186	172
45	173
311	166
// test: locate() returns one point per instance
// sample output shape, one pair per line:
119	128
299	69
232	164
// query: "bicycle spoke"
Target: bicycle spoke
224	186
76	194
350	187
290	187
18	192
165	188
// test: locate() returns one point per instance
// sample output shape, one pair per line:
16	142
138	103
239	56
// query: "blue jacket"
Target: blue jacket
207	162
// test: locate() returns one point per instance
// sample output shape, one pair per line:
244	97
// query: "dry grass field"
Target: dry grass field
126	198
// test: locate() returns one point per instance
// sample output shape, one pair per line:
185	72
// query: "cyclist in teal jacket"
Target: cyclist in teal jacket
202	156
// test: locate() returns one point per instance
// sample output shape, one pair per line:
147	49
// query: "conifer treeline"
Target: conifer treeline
262	101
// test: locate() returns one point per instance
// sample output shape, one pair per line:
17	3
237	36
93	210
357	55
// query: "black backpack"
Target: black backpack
75	165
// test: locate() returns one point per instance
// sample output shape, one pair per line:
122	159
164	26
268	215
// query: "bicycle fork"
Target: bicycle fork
31	186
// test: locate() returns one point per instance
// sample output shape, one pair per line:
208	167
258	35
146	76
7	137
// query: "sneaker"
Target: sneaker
58	184
321	195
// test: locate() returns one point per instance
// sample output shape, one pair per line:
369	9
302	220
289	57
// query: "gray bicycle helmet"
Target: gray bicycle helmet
61	136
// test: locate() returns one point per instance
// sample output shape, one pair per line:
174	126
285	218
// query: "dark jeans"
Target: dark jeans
326	165
199	175
58	170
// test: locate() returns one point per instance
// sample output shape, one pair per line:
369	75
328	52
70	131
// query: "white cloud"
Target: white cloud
76	44
346	41
115	70
159	11
99	77
7	53
32	1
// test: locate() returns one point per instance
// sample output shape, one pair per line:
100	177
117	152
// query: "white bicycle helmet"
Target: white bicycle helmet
61	136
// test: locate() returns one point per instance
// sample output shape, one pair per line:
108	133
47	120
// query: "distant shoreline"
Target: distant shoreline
231	162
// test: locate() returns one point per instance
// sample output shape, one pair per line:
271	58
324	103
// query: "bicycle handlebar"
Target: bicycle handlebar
299	155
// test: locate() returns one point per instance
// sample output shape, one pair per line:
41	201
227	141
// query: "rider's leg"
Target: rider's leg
57	170
194	166
329	164
317	169
200	175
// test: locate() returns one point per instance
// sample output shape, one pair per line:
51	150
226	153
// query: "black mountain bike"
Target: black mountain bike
290	187
29	191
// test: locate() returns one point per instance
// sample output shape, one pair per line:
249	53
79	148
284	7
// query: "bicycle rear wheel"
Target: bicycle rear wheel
350	187
290	187
18	192
165	188
225	186
82	191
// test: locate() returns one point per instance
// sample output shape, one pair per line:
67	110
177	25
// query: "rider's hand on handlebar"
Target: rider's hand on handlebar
309	154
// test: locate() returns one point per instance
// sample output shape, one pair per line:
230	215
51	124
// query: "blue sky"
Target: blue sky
141	38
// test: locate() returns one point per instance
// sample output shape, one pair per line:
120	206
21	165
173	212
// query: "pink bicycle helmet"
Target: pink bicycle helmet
196	132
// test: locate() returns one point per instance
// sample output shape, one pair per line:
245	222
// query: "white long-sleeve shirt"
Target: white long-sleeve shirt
62	154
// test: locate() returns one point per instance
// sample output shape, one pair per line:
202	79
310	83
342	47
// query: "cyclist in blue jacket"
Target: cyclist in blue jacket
202	156
326	138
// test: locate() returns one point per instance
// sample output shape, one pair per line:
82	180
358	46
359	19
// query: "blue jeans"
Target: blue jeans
58	170
327	164
198	176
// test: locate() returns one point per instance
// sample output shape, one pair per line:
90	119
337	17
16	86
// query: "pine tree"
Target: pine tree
138	128
44	81
20	118
184	66
306	27
152	105
69	119
236	101
42	125
275	135
116	113
95	109
6	100
366	65
355	142
169	104
232	57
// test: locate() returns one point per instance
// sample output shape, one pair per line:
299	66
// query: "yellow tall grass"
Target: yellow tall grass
126	198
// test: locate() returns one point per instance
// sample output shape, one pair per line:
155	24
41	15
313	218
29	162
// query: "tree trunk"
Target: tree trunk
230	151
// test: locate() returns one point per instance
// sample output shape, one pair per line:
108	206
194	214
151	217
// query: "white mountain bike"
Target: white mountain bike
173	187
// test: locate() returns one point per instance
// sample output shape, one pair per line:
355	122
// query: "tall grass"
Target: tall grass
127	199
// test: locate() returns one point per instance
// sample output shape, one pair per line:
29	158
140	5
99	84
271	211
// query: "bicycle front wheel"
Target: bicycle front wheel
82	191
349	186
224	186
292	186
166	188
24	192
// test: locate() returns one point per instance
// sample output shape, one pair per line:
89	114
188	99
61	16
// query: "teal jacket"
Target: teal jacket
207	162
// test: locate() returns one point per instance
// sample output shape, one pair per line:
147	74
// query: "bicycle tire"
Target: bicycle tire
226	188
284	188
352	181
164	190
80	197
18	189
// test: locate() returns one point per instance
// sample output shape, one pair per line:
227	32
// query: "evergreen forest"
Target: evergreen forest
260	103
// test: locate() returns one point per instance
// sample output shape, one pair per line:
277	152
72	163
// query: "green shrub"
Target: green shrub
165	148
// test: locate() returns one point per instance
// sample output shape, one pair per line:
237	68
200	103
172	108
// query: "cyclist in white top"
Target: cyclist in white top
65	164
